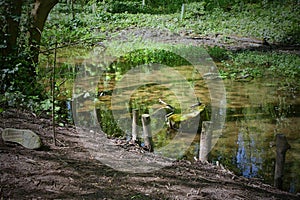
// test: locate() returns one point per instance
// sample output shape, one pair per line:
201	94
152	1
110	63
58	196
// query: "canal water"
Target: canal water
256	111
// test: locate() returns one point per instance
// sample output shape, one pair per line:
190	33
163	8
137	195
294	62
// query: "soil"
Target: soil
68	171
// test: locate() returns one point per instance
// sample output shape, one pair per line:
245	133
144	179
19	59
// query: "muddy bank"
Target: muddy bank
68	171
230	42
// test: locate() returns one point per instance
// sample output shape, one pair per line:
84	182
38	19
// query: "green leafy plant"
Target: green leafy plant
257	64
195	10
218	54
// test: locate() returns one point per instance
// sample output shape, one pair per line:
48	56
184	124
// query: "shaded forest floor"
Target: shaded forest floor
68	171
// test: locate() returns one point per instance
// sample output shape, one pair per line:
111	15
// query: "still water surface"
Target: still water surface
255	112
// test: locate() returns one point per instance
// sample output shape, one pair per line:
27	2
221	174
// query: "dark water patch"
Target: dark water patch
269	111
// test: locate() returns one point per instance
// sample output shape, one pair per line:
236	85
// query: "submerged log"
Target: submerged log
282	146
147	132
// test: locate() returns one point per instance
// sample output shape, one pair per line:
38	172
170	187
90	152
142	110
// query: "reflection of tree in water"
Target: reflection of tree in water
248	156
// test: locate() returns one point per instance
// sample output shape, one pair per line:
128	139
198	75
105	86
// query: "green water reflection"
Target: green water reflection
256	112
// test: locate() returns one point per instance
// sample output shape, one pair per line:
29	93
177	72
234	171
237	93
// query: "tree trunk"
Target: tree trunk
12	15
11	50
39	15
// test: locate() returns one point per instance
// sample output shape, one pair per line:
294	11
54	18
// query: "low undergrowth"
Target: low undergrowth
274	21
260	64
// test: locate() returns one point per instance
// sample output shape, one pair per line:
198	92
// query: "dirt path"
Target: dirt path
69	172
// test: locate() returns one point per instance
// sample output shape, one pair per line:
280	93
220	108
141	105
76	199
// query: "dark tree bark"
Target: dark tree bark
39	15
10	26
12	50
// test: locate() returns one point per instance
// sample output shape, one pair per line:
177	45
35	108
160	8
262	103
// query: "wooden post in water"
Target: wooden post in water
147	131
134	125
205	141
282	146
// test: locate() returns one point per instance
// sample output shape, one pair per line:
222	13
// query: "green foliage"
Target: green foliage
258	64
146	56
17	68
18	100
153	6
218	54
18	84
64	77
195	10
128	7
275	21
